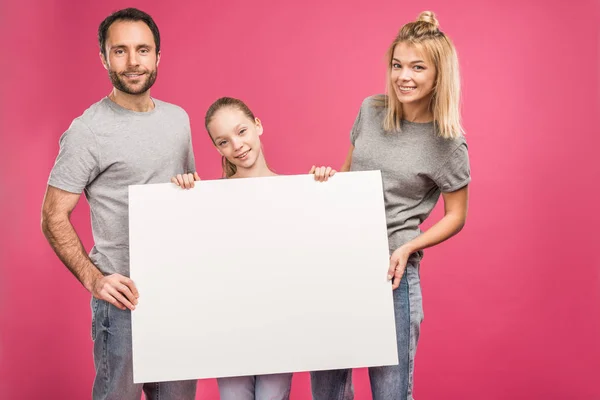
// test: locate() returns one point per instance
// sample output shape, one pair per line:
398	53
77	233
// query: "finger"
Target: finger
127	288
321	174
180	180
312	170
174	180
332	173
125	291
120	298
397	279
192	180
131	285
396	283
392	269
110	299
196	176
186	181
327	172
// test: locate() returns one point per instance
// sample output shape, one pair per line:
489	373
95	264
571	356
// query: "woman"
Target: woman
414	136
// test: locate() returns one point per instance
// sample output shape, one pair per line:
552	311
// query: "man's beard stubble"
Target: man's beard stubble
121	85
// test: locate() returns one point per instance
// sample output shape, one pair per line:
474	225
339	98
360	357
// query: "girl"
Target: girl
414	136
235	132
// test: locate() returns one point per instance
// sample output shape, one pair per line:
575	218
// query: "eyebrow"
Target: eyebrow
412	62
122	46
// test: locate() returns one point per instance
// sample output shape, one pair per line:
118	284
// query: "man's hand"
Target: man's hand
185	181
118	290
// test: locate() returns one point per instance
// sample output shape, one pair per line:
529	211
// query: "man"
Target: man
124	139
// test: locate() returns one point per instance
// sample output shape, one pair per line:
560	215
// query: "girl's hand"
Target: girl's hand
185	181
322	174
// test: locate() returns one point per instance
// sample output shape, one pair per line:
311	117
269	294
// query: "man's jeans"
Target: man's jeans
111	333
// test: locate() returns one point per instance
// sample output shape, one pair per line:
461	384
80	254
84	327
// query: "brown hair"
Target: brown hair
229	169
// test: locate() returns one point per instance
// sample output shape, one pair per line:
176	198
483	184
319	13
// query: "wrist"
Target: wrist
90	282
408	248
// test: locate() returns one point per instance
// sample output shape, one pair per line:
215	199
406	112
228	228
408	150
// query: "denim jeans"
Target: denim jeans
389	382
111	333
257	387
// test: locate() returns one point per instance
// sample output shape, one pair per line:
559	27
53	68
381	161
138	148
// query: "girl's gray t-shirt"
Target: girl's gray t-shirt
416	165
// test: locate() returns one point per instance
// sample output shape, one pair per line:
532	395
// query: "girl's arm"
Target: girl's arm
348	162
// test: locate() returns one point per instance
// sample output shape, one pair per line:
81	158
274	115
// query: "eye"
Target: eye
396	66
419	68
242	131
144	51
119	51
222	143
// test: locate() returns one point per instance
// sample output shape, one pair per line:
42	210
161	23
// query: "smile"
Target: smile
407	88
243	155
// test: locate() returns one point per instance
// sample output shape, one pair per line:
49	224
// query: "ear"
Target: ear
157	58
103	60
259	127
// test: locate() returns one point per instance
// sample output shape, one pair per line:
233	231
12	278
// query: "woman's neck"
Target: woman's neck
417	112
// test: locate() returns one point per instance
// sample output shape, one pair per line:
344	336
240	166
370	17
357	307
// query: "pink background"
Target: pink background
512	304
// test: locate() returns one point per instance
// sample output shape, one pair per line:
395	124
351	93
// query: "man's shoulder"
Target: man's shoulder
170	107
95	113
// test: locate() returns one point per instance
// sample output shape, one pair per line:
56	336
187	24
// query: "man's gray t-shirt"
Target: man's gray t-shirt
416	165
107	149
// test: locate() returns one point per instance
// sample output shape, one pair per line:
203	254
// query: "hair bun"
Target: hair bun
429	17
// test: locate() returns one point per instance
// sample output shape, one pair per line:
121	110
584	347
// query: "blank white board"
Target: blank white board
260	275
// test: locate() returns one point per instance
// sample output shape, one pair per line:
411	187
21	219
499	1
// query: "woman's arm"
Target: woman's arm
455	215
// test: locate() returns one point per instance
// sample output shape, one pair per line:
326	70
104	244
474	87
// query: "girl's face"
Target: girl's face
236	136
413	76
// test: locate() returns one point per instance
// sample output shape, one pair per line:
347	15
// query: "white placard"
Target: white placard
260	275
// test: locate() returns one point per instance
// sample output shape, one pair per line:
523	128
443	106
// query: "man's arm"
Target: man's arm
56	225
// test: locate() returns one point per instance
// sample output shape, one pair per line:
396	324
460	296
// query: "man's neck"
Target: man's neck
135	102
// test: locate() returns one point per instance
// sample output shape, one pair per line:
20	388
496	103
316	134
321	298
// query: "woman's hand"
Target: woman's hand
185	181
398	262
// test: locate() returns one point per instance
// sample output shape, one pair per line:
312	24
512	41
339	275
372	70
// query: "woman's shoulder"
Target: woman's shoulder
375	101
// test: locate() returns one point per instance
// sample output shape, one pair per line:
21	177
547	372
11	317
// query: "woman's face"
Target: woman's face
236	136
412	75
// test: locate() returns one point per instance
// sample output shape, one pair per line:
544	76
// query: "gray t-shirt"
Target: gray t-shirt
108	148
416	165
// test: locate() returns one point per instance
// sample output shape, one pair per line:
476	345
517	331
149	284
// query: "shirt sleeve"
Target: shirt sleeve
356	127
77	163
191	161
455	173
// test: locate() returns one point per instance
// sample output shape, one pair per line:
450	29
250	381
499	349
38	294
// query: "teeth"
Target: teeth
407	88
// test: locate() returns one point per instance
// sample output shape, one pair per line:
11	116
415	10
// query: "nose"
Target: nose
237	143
133	59
405	74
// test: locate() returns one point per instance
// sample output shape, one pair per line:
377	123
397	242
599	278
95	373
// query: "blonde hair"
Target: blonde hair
425	35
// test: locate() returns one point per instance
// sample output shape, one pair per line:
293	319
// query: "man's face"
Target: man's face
131	58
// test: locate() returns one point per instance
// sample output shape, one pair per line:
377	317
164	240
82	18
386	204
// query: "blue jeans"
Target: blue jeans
111	333
390	382
256	387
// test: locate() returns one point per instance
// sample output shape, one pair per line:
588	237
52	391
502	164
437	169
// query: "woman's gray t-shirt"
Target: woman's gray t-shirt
416	165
